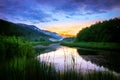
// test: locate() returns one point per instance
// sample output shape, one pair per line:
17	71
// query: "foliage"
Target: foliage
93	45
11	47
27	32
26	69
106	31
17	61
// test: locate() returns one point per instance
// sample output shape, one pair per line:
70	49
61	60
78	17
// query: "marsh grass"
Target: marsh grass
11	47
18	62
23	69
94	75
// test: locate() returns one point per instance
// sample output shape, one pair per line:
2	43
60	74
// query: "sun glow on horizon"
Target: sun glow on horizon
69	30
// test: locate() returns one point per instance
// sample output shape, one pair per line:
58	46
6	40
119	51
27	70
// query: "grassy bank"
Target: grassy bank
93	45
18	62
44	43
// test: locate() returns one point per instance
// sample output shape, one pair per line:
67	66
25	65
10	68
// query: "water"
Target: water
65	58
108	59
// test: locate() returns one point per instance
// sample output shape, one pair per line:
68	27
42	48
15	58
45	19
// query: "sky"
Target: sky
65	17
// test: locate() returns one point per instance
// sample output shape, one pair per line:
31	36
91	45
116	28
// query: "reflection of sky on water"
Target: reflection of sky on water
67	58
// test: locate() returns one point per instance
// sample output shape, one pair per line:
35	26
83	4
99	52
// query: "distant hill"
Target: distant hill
69	39
106	31
29	32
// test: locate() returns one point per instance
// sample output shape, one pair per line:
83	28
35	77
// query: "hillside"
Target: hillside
102	35
106	31
29	32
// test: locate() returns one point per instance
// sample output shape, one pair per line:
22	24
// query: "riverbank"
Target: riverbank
17	62
93	45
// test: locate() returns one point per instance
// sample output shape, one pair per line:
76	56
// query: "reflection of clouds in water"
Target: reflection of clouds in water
67	58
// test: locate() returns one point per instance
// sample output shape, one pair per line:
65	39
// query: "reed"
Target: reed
18	62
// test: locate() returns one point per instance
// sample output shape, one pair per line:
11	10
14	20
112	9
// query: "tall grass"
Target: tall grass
95	75
26	69
11	47
17	62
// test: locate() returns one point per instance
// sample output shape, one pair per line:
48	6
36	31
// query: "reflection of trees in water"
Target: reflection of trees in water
109	59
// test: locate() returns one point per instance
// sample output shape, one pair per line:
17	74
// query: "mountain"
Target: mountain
69	39
29	32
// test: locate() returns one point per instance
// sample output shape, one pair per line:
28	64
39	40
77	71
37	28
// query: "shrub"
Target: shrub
11	47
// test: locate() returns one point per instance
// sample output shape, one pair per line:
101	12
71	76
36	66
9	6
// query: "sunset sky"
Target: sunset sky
65	17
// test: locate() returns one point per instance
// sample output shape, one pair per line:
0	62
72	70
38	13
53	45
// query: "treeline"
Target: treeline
106	31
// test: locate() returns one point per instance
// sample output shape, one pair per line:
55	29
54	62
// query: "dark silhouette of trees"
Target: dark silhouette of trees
106	31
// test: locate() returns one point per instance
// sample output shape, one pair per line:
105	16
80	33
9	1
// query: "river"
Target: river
65	58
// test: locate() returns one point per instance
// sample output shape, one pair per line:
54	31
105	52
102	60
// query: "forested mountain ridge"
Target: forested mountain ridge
106	31
29	32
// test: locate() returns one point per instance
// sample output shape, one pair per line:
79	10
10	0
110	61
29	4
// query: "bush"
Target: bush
11	47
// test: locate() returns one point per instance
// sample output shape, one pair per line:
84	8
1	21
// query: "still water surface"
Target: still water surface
65	58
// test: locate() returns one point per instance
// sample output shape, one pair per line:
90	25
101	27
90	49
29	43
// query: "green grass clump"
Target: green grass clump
26	69
18	62
94	75
11	47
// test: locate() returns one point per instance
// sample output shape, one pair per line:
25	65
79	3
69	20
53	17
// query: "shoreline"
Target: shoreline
93	45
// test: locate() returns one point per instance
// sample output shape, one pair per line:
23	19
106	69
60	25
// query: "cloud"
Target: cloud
90	6
98	4
68	17
35	11
22	10
55	19
81	6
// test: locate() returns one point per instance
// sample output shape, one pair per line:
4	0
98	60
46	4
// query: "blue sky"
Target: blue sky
48	13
